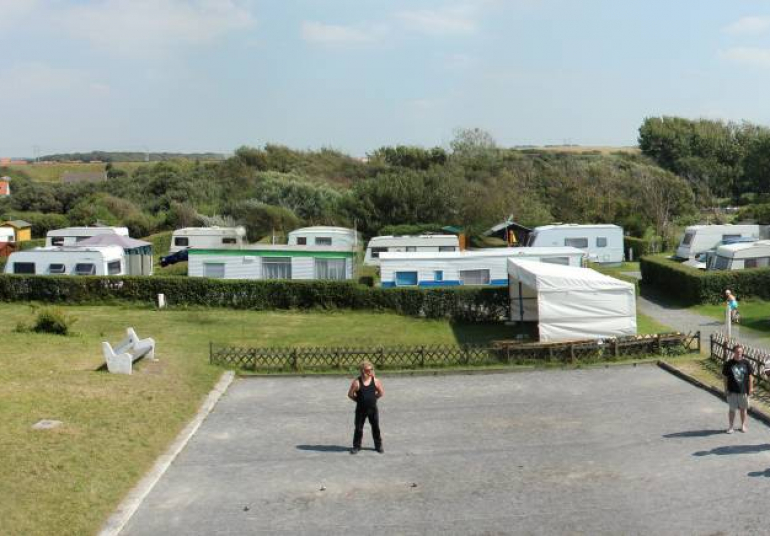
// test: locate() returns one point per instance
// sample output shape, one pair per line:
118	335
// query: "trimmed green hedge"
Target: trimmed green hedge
693	286
473	303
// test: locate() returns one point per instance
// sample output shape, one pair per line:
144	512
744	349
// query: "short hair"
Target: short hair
735	348
365	364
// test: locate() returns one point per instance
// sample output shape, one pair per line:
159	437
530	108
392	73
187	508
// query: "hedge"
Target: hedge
693	286
643	246
473	303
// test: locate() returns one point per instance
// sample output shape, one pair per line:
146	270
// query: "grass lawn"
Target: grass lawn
68	480
755	315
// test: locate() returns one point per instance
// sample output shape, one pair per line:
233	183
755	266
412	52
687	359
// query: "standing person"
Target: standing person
732	303
364	391
739	384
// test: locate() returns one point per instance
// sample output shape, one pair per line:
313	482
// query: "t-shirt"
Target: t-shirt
737	374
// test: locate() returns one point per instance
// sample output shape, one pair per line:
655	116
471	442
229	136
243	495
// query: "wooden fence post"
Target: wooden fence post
615	347
572	353
211	353
422	356
294	359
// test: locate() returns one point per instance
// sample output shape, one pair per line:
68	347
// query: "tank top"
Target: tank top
367	394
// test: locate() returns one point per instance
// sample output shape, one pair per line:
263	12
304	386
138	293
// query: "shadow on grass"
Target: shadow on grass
324	448
734	449
694	433
485	333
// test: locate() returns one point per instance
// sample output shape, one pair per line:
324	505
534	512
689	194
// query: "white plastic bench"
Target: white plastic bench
120	359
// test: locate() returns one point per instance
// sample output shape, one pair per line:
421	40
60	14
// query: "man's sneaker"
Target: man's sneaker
729	431
743	429
380	450
354	450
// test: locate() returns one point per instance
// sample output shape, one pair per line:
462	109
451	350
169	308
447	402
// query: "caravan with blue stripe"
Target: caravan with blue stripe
477	267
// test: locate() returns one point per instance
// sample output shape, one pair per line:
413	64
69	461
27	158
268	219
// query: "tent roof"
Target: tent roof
547	277
125	242
486	252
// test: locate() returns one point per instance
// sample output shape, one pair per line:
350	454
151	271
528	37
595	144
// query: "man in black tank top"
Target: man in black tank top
364	391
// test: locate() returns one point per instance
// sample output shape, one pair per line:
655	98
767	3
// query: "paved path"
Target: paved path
683	320
619	450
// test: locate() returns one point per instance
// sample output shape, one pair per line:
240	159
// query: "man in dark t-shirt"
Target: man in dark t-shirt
739	385
365	391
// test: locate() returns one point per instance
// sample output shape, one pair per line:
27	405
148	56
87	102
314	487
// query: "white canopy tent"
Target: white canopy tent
570	303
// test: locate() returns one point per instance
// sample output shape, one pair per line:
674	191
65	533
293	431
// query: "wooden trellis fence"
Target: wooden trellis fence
721	349
383	357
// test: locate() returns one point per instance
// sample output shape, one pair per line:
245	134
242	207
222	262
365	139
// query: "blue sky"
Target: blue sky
354	75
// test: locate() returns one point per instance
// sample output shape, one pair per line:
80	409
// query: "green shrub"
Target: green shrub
643	246
53	320
471	303
693	286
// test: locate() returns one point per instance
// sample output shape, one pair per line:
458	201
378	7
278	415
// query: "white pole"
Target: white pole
728	323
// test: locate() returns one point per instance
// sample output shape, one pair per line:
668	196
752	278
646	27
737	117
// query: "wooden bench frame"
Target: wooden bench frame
120	359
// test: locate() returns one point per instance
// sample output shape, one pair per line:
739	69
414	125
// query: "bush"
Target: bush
693	286
643	246
473	303
53	320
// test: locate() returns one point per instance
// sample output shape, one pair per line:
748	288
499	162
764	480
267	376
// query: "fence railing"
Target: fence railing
721	349
297	359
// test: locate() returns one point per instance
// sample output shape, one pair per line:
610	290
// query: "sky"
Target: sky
356	75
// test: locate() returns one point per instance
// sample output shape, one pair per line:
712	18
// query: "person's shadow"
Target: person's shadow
734	449
694	433
324	448
754	474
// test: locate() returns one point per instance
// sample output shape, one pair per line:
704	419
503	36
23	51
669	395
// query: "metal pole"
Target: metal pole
728	323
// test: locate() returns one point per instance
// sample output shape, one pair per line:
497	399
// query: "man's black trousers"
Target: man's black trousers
374	421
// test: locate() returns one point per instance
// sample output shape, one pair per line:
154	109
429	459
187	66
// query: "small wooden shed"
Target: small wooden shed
22	229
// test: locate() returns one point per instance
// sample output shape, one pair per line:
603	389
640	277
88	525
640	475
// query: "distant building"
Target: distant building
21	228
5	186
84	176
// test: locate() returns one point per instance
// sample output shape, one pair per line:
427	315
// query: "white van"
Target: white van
602	243
700	238
324	236
68	260
383	244
739	255
208	238
70	236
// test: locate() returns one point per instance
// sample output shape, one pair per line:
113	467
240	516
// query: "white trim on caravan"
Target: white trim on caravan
422	243
700	238
70	236
68	260
207	238
603	243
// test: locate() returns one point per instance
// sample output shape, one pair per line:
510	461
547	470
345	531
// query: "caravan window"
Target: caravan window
85	268
474	277
447	248
687	238
23	267
81	238
323	240
57	268
228	240
276	268
721	263
330	269
438	275
757	262
214	269
181	241
730	237
57	240
601	241
576	242
556	260
113	268
410	248
376	252
302	241
404	279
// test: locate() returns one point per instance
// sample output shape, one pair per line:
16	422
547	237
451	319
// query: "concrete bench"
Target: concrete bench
120	359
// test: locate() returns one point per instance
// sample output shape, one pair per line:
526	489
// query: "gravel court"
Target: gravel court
629	450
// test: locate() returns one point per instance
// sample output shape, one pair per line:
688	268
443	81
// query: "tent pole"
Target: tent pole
521	303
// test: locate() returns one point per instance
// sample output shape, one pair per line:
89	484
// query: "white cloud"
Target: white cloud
152	27
452	20
756	57
28	81
15	11
749	26
331	34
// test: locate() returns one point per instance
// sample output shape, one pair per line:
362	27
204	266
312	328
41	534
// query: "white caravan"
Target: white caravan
70	236
700	238
602	243
324	236
422	243
208	238
470	267
68	260
741	255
